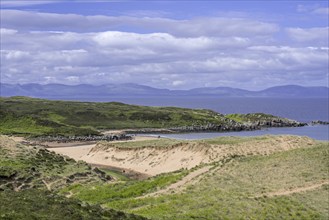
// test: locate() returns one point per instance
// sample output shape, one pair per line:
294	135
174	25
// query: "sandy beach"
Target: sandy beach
152	160
77	150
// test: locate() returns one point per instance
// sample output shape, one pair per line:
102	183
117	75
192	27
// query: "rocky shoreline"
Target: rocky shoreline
228	126
318	122
92	138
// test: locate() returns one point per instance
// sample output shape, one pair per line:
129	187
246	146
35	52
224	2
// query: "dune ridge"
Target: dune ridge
153	160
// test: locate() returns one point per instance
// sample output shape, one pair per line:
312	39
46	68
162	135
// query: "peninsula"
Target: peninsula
40	117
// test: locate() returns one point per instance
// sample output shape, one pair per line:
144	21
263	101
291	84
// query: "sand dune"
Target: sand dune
183	155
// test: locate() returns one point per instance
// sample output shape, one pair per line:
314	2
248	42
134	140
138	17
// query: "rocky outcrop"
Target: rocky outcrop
255	121
278	123
318	122
216	127
62	139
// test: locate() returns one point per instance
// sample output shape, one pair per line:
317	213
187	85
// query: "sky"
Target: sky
166	44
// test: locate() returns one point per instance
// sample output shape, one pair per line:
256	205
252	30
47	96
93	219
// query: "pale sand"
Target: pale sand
17	139
149	160
78	151
153	161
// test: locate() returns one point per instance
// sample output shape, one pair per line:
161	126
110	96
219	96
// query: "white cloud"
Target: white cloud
157	59
323	11
316	34
72	49
212	26
302	8
73	79
16	55
164	42
177	83
313	9
18	3
4	31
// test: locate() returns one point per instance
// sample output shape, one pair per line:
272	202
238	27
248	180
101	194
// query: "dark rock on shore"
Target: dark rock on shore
236	122
62	139
318	122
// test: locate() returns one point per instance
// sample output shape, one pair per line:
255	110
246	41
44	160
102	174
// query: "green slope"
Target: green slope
23	167
29	116
41	204
31	177
239	190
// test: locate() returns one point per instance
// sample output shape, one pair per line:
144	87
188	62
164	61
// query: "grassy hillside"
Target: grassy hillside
242	189
41	204
30	178
25	167
288	184
29	116
36	116
291	184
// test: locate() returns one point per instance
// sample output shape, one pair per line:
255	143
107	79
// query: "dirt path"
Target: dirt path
48	185
296	190
177	187
51	145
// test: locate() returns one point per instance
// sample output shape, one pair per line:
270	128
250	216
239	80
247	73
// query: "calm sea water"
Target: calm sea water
300	109
318	132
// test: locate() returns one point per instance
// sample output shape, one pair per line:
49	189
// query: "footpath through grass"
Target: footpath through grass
234	191
104	193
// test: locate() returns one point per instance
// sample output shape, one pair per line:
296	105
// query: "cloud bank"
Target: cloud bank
160	52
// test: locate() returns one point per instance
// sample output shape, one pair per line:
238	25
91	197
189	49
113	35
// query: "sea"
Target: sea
300	109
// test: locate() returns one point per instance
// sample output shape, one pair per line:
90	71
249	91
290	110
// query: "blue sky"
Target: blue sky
165	44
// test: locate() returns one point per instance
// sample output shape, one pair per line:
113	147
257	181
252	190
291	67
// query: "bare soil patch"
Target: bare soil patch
295	190
178	186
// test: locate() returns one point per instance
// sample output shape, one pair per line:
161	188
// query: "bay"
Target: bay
318	132
300	109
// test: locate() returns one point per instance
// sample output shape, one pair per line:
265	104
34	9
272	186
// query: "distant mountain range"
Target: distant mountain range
85	91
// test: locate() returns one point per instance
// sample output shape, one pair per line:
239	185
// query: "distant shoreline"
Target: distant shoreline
64	121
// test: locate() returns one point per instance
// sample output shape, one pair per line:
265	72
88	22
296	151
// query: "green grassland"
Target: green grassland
36	117
42	204
167	142
33	167
35	183
236	190
31	177
251	117
104	193
47	115
117	175
234	140
158	143
239	188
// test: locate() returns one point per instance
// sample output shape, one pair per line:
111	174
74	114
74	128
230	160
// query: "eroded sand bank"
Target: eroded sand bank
152	160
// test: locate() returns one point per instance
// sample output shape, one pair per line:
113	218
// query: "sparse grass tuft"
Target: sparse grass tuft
239	190
103	193
41	204
233	140
157	143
